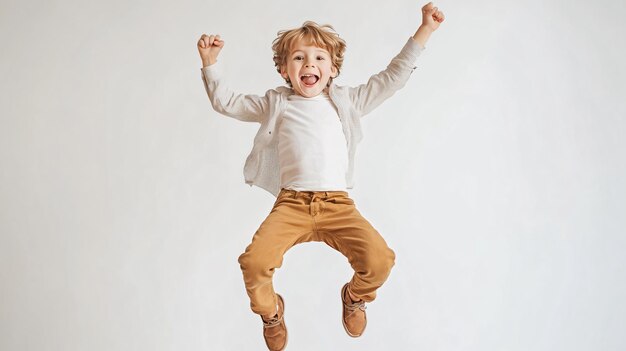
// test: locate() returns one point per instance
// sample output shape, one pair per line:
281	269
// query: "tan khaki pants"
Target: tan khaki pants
302	216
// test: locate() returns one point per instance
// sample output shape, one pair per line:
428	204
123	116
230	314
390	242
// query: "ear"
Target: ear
333	71
283	72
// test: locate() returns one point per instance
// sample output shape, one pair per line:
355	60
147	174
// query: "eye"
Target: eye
321	58
298	58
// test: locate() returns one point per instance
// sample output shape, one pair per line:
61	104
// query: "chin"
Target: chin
311	91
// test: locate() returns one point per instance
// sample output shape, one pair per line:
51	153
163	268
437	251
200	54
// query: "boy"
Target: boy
303	154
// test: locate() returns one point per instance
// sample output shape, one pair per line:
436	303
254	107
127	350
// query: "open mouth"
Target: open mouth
309	80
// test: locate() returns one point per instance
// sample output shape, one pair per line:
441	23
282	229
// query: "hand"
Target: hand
431	17
209	47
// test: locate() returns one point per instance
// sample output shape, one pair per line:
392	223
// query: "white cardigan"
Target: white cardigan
262	167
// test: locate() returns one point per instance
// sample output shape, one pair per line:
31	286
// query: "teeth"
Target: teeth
310	79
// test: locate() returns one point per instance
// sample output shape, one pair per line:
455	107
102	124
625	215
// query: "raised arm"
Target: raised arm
384	84
431	19
244	107
209	47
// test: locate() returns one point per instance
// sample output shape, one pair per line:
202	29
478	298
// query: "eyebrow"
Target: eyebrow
317	50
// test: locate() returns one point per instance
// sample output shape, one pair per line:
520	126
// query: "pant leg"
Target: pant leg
342	227
288	223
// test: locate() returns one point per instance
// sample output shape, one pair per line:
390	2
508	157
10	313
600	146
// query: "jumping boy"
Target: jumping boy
303	153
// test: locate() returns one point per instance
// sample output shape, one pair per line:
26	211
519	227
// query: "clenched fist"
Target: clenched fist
209	47
431	19
431	16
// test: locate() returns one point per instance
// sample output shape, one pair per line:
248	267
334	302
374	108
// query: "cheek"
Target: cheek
292	74
333	69
293	68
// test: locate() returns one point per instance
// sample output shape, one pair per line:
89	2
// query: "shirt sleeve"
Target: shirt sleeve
244	107
384	84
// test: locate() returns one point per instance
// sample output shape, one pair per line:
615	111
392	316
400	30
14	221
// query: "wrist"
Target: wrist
208	61
422	34
425	28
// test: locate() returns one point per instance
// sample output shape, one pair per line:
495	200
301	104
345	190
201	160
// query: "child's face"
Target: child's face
309	68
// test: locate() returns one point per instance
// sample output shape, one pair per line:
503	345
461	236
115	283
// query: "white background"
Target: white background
496	174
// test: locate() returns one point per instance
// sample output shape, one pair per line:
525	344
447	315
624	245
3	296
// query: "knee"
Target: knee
247	260
379	263
252	263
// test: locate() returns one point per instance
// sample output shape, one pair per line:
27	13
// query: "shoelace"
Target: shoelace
272	322
355	306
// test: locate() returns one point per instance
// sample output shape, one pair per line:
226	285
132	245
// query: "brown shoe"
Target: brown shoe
353	316
274	329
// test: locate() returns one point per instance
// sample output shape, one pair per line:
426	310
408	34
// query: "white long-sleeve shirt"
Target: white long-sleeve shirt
262	166
312	151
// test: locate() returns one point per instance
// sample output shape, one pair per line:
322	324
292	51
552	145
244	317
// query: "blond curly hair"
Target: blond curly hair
322	36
